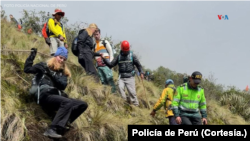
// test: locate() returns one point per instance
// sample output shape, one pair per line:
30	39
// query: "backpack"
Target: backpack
170	106
45	30
35	87
74	47
131	60
131	57
112	47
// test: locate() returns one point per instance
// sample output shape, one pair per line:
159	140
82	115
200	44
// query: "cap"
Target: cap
169	81
196	76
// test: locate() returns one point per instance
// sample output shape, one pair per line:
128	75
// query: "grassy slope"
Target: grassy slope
107	116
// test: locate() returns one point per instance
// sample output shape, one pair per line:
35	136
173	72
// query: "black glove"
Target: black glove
33	53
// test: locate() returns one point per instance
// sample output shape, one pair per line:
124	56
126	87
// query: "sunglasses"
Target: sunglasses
64	59
60	14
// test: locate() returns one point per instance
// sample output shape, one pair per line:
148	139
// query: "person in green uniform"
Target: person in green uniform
189	104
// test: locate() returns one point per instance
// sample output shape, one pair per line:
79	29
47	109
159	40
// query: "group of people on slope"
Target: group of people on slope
52	75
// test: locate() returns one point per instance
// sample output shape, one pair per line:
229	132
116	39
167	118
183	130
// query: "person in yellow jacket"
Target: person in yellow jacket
57	34
166	101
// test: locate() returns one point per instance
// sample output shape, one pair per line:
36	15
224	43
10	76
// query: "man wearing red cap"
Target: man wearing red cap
126	61
57	34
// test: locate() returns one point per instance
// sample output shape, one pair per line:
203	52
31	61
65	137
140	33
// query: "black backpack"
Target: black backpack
74	47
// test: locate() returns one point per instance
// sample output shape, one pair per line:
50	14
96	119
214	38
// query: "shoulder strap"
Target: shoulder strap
131	56
104	43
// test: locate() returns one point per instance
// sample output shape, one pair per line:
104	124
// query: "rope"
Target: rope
25	51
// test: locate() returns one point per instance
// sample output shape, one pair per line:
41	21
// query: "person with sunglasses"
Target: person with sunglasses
57	36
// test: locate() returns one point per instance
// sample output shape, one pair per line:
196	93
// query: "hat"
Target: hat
169	81
61	51
196	76
58	11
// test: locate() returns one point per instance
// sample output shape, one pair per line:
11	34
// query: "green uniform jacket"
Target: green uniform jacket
189	102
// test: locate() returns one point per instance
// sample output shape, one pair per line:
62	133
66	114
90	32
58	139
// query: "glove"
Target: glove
33	53
47	40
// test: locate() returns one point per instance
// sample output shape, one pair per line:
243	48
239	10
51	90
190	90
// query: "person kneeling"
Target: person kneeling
52	77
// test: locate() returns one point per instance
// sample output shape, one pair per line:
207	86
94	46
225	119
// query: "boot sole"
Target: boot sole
51	136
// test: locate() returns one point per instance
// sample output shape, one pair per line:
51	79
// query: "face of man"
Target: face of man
192	83
125	52
97	35
58	16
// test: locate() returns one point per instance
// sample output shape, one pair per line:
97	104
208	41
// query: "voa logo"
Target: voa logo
223	17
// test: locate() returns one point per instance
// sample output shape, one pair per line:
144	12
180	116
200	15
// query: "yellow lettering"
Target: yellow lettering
198	76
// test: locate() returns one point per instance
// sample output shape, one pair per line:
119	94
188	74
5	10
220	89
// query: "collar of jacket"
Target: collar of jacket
170	85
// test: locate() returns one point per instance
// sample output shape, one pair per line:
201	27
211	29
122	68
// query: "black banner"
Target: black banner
137	132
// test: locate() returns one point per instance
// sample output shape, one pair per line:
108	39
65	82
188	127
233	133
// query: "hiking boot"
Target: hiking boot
51	133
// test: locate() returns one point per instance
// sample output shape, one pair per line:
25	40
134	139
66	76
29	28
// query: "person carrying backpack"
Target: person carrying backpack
126	61
50	81
56	31
105	73
85	46
166	101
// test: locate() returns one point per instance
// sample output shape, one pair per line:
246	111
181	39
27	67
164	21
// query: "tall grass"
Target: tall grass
107	116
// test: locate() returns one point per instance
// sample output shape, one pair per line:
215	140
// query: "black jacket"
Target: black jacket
54	79
85	44
126	67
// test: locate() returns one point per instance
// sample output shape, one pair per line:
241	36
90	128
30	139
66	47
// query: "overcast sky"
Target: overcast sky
182	36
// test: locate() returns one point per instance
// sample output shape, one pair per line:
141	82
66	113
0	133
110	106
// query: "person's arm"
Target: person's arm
61	81
112	63
176	101
110	51
161	101
52	28
203	106
137	63
29	67
64	35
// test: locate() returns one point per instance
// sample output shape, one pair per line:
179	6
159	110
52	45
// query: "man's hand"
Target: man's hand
61	38
66	46
102	55
153	113
204	121
178	120
142	76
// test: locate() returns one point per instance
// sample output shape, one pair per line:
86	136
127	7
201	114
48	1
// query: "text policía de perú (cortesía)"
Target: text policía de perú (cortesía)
180	132
138	131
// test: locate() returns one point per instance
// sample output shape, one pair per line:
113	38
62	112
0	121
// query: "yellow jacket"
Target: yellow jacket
166	100
56	29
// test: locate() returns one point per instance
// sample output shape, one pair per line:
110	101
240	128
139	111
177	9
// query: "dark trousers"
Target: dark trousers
67	109
172	120
190	121
86	61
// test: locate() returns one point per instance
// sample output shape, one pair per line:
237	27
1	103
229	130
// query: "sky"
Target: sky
184	36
